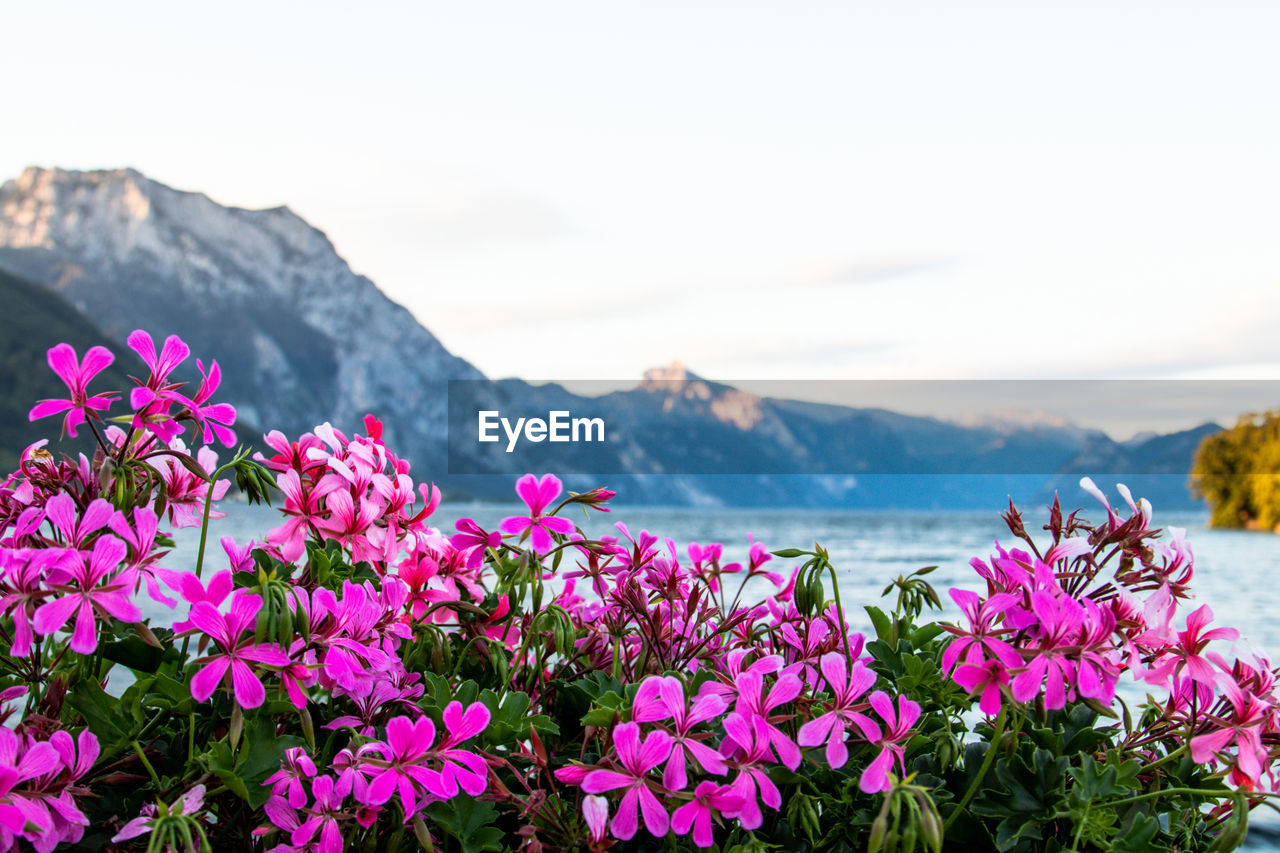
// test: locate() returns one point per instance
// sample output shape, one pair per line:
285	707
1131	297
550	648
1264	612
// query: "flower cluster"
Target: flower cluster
1102	604
360	679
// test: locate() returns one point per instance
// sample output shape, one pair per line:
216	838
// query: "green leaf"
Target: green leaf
104	714
134	653
884	628
469	821
925	633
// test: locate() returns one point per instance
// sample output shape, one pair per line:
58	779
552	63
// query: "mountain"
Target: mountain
302	339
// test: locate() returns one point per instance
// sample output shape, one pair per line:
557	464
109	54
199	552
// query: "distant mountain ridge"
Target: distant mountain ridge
303	339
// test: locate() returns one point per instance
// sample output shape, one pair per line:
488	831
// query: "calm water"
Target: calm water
1236	572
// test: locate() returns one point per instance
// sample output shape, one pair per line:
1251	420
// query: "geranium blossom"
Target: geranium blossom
637	760
537	496
76	375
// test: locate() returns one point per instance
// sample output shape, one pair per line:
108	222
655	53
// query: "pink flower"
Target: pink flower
846	687
151	400
1060	619
637	760
287	782
662	698
595	811
76	375
697	814
325	811
752	741
1186	653
988	677
538	495
88	592
473	539
752	702
406	751
897	731
980	640
462	768
216	418
236	647
1245	729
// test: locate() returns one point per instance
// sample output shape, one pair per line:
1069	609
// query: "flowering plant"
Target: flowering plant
361	680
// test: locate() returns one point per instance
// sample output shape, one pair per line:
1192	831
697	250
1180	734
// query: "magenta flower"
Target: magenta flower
76	375
896	732
980	640
288	781
537	496
75	527
325	812
752	784
217	418
235	649
473	539
637	760
22	574
753	702
662	698
461	768
1060	619
846	688
697	813
151	400
1186	653
88	593
986	677
174	352
406	749
20	761
1250	716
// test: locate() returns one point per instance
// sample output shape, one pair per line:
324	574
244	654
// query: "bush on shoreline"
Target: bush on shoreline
363	681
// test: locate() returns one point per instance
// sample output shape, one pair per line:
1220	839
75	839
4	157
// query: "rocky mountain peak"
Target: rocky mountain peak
301	337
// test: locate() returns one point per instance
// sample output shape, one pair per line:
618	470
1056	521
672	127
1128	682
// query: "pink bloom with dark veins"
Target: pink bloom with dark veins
897	731
846	687
217	418
537	496
708	797
662	698
638	760
76	375
233	634
1187	652
88	593
980	641
752	701
406	752
986	677
752	741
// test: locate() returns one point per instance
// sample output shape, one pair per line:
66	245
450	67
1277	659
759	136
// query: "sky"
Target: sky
773	191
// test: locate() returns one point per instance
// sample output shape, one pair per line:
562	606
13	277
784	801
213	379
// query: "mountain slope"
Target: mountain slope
35	320
300	337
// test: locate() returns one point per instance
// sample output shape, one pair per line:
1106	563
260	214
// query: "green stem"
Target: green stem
151	771
1175	754
987	759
